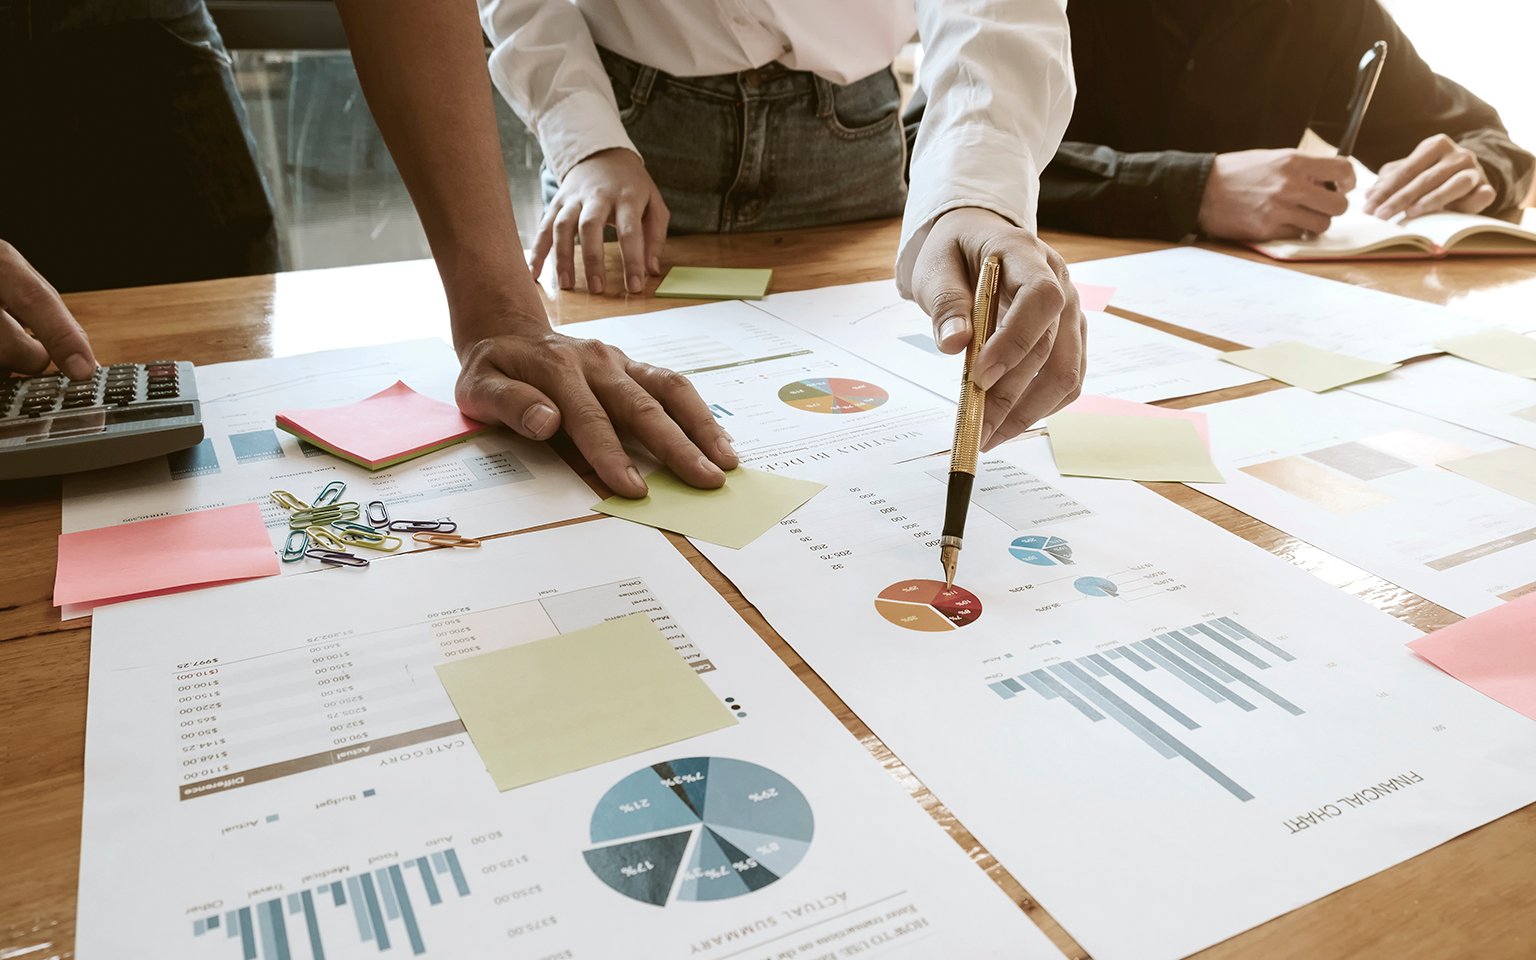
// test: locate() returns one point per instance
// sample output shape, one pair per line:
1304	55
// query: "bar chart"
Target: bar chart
1204	661
384	905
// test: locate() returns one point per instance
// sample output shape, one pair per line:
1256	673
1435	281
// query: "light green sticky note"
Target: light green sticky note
1130	448
546	708
714	283
734	515
1502	350
1511	470
1307	367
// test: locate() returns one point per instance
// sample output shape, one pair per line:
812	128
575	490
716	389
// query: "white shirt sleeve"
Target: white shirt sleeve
543	60
998	74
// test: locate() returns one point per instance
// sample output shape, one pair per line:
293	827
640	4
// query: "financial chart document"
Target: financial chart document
788	398
1363	480
1257	305
491	483
1126	359
1168	735
274	772
1499	404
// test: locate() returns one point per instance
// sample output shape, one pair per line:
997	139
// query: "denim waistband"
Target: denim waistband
771	81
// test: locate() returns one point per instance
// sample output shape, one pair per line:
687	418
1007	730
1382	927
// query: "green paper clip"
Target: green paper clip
357	535
294	546
287	500
330	493
320	516
324	538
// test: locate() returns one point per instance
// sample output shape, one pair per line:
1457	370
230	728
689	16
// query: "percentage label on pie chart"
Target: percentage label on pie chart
926	606
833	395
1041	551
698	828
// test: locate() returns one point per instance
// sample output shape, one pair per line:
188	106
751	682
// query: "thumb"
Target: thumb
944	292
487	394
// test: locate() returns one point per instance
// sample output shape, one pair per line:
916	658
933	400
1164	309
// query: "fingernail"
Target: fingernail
595	284
990	376
655	266
950	329
537	417
636	482
636	284
566	282
76	367
708	466
726	450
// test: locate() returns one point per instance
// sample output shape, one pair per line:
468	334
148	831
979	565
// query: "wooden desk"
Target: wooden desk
1474	896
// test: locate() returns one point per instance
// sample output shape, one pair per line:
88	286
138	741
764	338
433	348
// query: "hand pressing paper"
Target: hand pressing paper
1130	448
734	515
1307	367
168	553
392	426
547	708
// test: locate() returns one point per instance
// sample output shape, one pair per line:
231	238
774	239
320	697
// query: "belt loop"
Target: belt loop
824	99
644	80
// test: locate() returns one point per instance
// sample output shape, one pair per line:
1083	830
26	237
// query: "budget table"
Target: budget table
1474	896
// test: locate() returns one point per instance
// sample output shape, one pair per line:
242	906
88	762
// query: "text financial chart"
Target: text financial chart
1133	663
788	398
350	814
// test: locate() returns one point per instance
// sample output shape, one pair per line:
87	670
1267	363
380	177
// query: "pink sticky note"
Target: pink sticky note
167	553
1089	403
1494	653
391	426
1092	296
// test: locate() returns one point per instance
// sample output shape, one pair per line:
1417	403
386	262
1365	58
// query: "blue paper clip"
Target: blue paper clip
336	558
378	514
295	546
330	493
423	526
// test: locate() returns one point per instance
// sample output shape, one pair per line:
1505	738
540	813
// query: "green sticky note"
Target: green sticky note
1511	470
734	515
1502	350
1130	448
714	283
1310	368
546	708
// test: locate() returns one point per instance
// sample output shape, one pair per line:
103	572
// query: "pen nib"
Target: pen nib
948	557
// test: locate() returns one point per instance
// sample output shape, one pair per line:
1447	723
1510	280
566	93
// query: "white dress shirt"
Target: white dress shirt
998	74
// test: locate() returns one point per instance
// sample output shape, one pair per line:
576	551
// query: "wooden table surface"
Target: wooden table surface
1474	896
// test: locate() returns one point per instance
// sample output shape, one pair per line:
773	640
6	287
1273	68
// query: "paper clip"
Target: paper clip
325	538
445	539
423	526
336	558
295	546
320	516
329	494
357	535
378	514
287	500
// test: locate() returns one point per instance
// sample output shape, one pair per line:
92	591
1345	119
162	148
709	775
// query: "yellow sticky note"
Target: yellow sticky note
714	283
542	709
1511	470
1130	448
1499	349
734	515
1307	367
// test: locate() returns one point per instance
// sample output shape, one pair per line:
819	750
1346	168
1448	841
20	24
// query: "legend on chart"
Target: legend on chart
833	395
926	606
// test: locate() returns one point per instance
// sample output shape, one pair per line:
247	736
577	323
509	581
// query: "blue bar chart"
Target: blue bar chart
381	909
1210	661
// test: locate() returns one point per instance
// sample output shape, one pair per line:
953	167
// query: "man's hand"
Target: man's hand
1033	363
537	381
35	326
1256	195
1440	174
609	187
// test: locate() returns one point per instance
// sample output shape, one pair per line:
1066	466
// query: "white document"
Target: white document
492	483
1361	480
788	399
1255	305
1166	734
1448	388
274	768
1126	359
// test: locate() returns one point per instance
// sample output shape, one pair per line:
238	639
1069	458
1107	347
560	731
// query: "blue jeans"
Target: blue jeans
764	149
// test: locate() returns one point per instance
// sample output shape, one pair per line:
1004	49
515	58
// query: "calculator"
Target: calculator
126	412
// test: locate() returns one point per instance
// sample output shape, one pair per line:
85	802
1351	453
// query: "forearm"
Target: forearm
422	68
1094	189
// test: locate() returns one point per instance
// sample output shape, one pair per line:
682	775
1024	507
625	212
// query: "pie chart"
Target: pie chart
925	605
699	828
1041	551
833	395
1096	587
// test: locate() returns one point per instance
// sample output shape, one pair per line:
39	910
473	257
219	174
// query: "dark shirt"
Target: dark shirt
1164	85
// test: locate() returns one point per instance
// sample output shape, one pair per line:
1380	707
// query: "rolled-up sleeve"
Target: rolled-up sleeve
998	77
544	62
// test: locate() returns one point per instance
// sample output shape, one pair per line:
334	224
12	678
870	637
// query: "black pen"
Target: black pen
962	459
1366	76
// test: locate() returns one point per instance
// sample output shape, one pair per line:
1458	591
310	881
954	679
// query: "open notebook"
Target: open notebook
1433	235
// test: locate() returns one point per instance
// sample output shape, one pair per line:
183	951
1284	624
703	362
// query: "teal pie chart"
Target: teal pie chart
698	828
1096	587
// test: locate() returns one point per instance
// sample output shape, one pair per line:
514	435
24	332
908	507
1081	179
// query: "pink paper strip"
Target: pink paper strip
1092	296
1494	653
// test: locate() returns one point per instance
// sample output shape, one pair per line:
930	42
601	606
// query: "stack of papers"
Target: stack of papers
392	426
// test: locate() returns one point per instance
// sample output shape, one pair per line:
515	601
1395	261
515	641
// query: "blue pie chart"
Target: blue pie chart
1041	551
1096	587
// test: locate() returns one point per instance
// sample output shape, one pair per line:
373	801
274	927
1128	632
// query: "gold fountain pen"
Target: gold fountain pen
962	459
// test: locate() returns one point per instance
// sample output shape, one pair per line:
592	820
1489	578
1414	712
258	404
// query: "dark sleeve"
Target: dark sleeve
1412	102
1094	189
